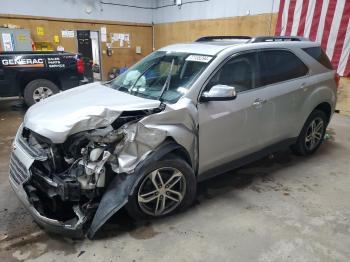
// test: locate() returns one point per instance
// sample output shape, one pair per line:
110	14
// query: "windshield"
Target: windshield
164	76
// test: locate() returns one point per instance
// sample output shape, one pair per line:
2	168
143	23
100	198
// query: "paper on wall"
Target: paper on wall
56	39
103	30
68	33
7	42
60	48
21	37
121	37
40	31
115	37
103	38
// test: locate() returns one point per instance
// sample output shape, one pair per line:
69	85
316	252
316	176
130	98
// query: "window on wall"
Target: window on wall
239	72
280	65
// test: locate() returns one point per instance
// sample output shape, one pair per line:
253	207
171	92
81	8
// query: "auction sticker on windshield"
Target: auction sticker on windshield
199	58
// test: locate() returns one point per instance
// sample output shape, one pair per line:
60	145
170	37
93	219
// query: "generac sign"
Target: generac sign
24	62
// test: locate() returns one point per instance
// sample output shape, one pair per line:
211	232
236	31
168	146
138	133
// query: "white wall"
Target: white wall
76	9
153	11
211	9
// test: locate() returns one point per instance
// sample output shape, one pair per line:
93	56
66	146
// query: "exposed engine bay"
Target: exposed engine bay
73	171
69	179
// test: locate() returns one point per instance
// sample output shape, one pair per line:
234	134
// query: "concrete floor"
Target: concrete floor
343	103
285	208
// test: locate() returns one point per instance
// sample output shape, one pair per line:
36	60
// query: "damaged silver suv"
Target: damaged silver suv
182	114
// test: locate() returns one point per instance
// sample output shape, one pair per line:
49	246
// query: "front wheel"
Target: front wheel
312	134
166	187
39	89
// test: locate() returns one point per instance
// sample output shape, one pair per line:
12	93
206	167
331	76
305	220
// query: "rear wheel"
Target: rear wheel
39	89
312	134
168	186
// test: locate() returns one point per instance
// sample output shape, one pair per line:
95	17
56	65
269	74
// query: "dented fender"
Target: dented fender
177	122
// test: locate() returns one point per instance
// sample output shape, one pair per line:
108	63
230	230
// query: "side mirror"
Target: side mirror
220	93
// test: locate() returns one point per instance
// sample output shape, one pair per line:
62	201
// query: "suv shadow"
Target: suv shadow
243	178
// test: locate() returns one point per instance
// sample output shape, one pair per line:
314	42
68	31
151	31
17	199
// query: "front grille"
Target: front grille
18	171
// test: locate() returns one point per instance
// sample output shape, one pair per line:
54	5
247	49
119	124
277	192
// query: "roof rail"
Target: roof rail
260	39
213	38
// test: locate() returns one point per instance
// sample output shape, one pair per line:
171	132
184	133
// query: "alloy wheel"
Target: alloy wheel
314	133
161	191
41	93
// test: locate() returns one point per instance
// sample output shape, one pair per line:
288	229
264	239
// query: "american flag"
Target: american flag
323	21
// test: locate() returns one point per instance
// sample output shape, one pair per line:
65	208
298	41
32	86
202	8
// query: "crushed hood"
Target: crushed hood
79	109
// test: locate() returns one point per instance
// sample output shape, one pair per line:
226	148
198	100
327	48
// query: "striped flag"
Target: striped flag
323	21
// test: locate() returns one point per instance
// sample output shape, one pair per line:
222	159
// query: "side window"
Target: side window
318	54
239	72
280	65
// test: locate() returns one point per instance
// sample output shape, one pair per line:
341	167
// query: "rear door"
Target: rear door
283	77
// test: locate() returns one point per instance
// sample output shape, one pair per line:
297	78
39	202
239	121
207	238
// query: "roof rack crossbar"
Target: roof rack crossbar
225	37
260	39
257	39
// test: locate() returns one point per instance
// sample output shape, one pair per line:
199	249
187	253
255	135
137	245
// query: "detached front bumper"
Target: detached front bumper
20	164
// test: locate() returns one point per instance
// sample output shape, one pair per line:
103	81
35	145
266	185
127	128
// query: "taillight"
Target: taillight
80	66
336	79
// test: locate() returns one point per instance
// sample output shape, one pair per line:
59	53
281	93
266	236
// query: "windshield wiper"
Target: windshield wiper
167	82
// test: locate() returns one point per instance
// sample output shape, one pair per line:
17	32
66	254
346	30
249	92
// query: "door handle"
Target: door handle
256	103
259	102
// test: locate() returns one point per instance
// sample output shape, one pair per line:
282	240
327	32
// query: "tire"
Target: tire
186	185
38	90
303	145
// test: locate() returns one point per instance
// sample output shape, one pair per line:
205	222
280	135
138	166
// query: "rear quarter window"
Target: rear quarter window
280	65
318	54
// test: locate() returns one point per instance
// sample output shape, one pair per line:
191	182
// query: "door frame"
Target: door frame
99	46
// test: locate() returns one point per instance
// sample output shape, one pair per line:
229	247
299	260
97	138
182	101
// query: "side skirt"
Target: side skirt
246	159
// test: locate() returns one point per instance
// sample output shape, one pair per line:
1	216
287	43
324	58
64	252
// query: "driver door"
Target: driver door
229	130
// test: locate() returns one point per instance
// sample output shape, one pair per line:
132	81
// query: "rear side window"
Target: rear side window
280	65
318	54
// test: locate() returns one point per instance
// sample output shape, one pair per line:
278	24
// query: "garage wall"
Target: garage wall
195	19
82	9
57	15
167	12
140	35
169	33
172	24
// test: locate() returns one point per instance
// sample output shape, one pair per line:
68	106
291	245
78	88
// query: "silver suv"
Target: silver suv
182	114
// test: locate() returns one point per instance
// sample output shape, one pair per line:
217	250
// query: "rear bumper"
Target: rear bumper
70	228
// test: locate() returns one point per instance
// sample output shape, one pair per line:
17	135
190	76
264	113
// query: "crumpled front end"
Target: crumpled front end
22	160
71	186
